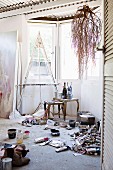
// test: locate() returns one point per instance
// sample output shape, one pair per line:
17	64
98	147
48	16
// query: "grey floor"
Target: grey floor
45	157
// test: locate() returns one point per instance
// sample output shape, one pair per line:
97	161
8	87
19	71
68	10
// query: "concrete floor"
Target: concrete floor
45	157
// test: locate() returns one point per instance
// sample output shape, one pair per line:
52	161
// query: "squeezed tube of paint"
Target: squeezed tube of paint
41	139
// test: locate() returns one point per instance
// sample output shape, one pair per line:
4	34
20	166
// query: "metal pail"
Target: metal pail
6	164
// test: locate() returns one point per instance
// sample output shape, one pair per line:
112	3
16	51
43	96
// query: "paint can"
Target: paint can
7	164
72	123
11	133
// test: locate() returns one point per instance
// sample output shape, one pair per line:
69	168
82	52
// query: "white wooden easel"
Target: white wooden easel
39	46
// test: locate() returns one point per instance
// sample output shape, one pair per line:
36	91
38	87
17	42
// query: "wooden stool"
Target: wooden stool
47	106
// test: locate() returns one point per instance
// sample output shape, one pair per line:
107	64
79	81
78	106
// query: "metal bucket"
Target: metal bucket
72	123
6	164
11	133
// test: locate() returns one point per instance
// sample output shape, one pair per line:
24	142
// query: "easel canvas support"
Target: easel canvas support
39	46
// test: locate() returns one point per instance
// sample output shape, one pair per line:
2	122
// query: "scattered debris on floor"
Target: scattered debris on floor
85	118
77	154
57	143
41	139
87	140
84	134
64	148
55	132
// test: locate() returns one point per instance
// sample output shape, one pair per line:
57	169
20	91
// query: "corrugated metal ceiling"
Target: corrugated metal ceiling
61	17
8	5
68	7
4	3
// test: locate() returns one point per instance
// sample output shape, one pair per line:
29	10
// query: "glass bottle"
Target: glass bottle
71	87
19	137
64	93
70	91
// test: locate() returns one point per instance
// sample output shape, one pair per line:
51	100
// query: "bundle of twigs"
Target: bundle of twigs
86	30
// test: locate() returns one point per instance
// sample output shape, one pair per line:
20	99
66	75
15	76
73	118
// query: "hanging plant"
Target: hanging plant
86	30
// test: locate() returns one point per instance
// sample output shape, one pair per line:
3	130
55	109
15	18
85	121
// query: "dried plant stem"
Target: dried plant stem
86	31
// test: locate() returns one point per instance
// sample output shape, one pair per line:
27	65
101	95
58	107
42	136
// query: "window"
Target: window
42	52
68	60
94	69
44	57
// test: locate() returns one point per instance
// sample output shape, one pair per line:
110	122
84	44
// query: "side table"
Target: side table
65	101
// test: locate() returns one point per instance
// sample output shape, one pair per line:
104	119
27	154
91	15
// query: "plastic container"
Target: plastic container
19	137
26	134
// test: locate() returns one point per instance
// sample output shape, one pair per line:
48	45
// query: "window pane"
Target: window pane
93	70
68	60
42	52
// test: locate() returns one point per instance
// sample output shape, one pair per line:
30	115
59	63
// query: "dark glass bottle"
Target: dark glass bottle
68	90
64	92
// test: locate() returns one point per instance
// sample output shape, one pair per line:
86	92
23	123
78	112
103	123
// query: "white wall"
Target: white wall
91	97
12	24
92	89
92	93
19	24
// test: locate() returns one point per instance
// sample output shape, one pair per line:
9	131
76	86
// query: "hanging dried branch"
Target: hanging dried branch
86	30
